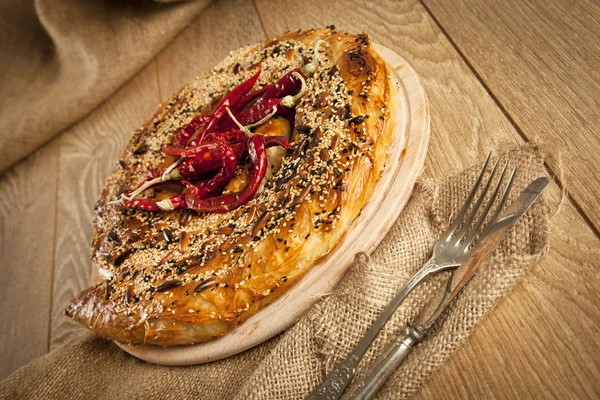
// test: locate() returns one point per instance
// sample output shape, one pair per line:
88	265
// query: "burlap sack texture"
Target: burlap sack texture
61	59
291	364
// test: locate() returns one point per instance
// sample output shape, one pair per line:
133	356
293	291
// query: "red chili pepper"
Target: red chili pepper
195	166
210	187
231	136
184	134
272	141
215	185
253	95
259	111
192	151
286	85
231	101
178	202
152	172
228	202
209	159
226	157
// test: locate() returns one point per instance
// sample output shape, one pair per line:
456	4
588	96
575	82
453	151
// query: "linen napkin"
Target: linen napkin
61	59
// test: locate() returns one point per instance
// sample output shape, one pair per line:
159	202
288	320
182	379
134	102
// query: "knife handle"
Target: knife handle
386	365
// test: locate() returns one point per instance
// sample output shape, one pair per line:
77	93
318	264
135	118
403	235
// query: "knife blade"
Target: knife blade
394	355
491	238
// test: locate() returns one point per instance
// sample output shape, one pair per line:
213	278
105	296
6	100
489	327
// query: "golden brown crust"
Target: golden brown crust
182	278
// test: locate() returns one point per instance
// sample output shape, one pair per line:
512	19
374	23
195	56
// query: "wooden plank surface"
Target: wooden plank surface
528	345
540	60
224	26
27	205
542	341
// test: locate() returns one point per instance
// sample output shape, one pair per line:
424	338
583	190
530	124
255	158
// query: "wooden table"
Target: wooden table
498	74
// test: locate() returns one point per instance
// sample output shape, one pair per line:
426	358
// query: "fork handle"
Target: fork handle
336	382
387	363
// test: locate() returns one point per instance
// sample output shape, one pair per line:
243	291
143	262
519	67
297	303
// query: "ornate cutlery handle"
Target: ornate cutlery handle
386	365
336	382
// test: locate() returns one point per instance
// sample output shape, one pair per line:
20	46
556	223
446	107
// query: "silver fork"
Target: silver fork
448	253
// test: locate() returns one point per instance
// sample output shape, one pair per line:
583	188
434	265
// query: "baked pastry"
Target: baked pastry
181	276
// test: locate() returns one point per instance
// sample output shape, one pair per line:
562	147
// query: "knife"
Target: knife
416	330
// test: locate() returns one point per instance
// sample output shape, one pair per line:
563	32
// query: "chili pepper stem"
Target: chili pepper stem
242	127
170	168
265	119
310	68
166	176
141	189
290	101
165	205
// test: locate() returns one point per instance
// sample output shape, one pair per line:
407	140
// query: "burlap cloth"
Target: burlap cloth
291	364
61	59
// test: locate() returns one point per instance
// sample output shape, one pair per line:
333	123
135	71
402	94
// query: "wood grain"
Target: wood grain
88	154
27	203
540	59
460	134
542	341
223	27
405	162
529	344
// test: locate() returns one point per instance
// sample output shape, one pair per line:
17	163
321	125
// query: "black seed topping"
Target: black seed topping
303	128
166	285
112	236
121	257
140	150
357	120
209	283
168	235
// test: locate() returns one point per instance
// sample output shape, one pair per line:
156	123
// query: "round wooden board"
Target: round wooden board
379	214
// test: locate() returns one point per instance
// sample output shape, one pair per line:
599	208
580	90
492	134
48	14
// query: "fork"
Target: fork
448	253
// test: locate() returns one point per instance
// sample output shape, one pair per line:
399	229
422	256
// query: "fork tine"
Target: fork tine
502	201
471	217
468	201
469	240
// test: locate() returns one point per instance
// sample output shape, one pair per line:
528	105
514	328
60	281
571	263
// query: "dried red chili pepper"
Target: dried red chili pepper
210	187
259	111
174	203
232	101
189	168
288	84
247	99
220	155
265	106
210	145
228	202
215	185
184	134
272	141
196	166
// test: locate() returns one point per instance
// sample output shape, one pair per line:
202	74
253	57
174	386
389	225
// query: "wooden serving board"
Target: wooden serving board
405	163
